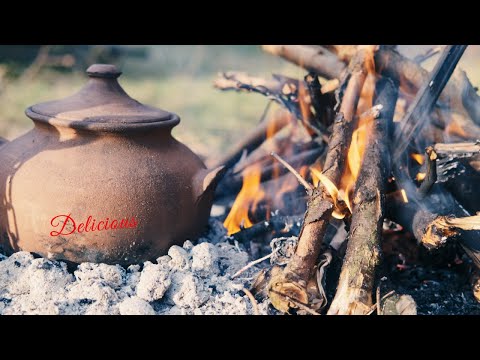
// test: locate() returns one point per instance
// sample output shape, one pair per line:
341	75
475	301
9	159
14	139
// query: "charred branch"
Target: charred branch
276	225
428	220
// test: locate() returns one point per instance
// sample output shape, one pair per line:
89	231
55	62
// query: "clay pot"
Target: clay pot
101	179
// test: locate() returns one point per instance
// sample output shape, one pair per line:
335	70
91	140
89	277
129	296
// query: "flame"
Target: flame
329	185
420	176
419	158
332	190
347	196
248	197
404	196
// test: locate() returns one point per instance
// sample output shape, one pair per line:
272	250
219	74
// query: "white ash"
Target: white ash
189	280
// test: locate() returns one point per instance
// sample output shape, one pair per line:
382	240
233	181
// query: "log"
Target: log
465	149
355	286
428	220
417	115
453	160
312	58
252	140
293	280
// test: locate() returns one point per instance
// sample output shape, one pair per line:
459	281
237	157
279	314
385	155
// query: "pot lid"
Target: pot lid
101	104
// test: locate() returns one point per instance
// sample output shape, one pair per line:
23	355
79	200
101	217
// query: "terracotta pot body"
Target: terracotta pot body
101	179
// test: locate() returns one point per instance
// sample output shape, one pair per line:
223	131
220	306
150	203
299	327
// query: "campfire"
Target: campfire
368	145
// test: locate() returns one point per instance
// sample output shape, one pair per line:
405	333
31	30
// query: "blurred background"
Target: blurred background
177	78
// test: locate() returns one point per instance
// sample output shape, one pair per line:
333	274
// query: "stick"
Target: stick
275	224
252	300
294	278
451	161
281	89
297	303
253	263
466	149
426	219
426	98
312	58
354	290
252	140
464	223
299	177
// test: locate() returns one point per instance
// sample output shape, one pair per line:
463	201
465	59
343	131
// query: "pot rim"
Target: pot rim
94	125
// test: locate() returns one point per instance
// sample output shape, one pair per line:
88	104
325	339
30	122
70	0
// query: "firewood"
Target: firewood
293	94
281	89
459	94
354	290
416	116
313	58
432	220
466	149
453	159
292	281
252	140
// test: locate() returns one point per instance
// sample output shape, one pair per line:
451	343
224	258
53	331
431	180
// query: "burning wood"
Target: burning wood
354	291
358	180
293	280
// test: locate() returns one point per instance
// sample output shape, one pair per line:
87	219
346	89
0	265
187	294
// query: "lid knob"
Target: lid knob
103	71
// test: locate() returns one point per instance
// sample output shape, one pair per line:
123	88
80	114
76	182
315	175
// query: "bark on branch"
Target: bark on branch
354	290
292	281
312	58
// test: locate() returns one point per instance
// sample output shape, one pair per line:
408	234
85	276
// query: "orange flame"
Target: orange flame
419	158
420	176
248	197
329	185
